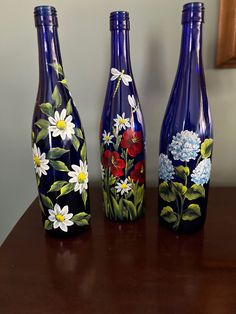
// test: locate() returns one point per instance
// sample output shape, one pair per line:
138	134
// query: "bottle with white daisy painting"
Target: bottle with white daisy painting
186	139
58	142
122	135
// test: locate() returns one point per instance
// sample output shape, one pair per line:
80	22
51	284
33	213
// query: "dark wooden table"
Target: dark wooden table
122	268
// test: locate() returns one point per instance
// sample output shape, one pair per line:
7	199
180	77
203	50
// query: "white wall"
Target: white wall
85	44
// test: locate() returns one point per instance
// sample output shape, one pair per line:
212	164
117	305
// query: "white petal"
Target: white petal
51	212
63	227
63	135
68	222
56	132
72	174
57	116
52	218
56	224
73	180
52	120
68	216
64	210
76	168
57	209
76	188
69	118
63	114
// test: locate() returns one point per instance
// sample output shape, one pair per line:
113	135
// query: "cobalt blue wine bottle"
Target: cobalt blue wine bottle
58	142
186	139
122	137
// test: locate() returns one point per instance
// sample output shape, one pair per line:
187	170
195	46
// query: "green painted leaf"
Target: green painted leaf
194	192
58	165
166	192
75	142
182	172
206	148
192	212
56	97
130	164
66	189
69	108
83	152
42	134
47	109
37	179
79	133
139	195
131	208
57	67
84	197
140	208
112	180
81	219
168	214
48	225
179	188
32	136
105	202
116	208
57	185
64	82
42	124
56	152
46	201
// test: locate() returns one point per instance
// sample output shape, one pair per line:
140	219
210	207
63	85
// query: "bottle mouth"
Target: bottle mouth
45	15
119	20
193	12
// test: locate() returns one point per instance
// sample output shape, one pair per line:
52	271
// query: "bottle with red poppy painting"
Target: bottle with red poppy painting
122	135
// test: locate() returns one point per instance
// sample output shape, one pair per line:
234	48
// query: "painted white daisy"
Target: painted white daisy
79	176
133	103
123	186
60	217
107	137
121	75
121	122
40	161
61	125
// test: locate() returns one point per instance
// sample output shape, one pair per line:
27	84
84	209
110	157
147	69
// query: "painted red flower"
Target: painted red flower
137	174
113	161
132	141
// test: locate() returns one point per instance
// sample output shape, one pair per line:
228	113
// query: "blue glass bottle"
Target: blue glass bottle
186	139
58	142
122	136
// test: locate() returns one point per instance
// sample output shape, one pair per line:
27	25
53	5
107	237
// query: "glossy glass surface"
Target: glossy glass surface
122	135
186	135
58	142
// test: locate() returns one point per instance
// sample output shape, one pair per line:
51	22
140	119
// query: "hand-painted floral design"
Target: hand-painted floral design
60	217
107	137
137	174
113	161
61	125
201	174
116	74
132	102
175	188
40	161
132	141
79	176
121	122
123	186
102	171
64	147
166	168
185	146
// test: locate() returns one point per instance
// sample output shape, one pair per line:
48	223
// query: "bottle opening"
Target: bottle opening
45	15
193	12
119	20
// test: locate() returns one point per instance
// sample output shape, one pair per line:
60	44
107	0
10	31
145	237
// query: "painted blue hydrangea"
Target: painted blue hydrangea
166	169
185	146
201	174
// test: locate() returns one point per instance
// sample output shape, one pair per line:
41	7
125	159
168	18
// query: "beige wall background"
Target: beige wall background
85	46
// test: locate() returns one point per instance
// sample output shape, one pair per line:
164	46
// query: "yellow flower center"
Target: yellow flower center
60	218
123	186
61	125
37	161
122	121
134	140
107	138
81	177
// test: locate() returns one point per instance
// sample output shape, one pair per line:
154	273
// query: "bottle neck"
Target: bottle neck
49	53
120	50
191	46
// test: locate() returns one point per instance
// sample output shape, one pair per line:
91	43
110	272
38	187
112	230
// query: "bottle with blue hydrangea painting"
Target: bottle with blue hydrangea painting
122	138
186	139
58	142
